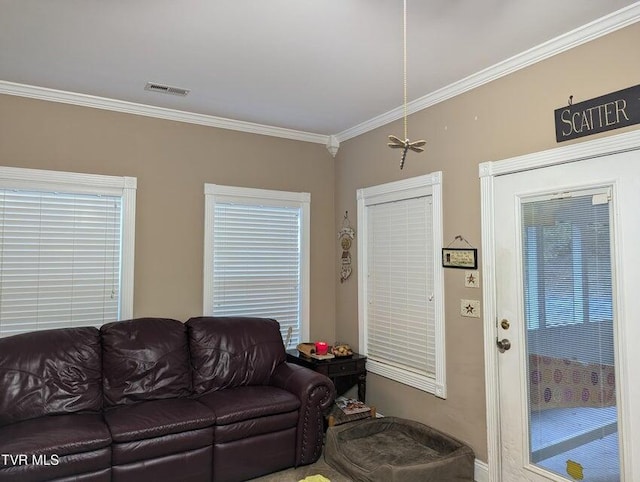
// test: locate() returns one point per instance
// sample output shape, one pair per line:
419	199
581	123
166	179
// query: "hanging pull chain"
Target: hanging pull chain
404	63
405	144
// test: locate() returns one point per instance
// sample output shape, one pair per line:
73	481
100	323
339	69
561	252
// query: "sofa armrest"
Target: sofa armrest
316	393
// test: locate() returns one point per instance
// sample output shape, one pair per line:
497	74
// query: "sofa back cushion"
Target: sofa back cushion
145	359
50	372
233	351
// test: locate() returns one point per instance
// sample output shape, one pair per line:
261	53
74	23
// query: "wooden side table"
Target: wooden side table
344	372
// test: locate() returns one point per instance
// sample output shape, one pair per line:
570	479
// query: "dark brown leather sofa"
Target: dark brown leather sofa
154	399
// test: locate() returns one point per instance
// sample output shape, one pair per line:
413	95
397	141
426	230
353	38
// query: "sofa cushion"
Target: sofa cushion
50	372
58	434
229	352
145	359
157	418
244	403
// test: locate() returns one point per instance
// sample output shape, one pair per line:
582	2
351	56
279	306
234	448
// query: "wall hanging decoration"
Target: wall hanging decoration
345	235
607	112
396	143
463	258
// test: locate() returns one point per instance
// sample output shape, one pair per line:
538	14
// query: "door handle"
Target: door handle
503	345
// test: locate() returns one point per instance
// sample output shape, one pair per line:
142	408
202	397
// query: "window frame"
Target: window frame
254	196
425	185
92	184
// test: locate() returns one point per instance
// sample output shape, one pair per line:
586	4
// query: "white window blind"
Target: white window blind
400	285
400	282
61	257
258	259
567	260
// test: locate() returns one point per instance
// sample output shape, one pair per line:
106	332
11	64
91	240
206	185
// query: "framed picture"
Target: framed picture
463	258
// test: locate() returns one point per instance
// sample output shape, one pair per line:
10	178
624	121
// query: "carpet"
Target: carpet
293	475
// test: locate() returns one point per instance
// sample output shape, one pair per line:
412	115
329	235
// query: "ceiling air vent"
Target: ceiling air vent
165	89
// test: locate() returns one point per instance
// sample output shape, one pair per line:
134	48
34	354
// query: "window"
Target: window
66	249
257	256
401	309
566	244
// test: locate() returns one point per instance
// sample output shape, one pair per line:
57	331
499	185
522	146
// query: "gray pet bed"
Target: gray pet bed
393	449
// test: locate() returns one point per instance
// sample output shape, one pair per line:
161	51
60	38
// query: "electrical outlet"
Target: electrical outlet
470	308
472	279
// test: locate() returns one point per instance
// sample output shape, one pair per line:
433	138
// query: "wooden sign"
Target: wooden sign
462	258
604	113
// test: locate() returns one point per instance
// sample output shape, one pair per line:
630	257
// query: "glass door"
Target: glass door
566	288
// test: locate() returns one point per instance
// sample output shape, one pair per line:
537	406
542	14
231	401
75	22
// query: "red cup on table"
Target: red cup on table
322	347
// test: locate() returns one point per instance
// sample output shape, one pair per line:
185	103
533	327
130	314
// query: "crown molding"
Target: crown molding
598	28
53	95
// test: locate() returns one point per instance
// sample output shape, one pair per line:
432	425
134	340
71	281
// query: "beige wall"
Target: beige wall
172	161
508	117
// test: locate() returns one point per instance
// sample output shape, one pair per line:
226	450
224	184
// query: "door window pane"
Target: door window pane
569	318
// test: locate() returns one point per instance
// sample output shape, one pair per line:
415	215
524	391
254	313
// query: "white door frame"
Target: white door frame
488	171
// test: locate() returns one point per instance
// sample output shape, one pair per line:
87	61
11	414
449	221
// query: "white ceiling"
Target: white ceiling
314	66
